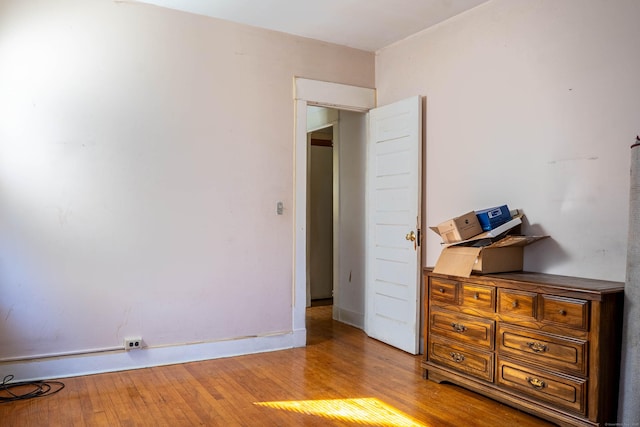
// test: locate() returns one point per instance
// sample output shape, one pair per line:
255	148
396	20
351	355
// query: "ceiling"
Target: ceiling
362	24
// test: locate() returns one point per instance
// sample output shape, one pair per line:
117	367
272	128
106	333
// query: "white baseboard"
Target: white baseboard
351	318
300	337
120	360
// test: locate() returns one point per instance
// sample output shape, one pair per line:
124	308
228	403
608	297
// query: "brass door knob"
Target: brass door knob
411	236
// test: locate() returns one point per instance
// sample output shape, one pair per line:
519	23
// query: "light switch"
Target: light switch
279	208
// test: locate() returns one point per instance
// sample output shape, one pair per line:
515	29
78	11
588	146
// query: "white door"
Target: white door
394	158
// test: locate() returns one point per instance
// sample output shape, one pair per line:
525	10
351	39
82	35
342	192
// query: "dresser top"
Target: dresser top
568	283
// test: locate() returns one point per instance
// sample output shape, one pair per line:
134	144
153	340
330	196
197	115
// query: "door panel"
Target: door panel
393	211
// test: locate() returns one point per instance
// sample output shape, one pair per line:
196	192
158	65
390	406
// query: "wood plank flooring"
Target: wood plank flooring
342	378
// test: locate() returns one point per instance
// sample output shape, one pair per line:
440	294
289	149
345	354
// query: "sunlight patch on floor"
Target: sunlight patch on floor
367	411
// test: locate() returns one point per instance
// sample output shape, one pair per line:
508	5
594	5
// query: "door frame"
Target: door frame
324	94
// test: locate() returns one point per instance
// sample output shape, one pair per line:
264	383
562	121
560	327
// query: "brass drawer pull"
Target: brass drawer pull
441	290
515	304
538	347
458	327
476	296
536	383
457	357
562	312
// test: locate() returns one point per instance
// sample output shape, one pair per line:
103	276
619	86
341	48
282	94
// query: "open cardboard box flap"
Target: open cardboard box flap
457	261
509	241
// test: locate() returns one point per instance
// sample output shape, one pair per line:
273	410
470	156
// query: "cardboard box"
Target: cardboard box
459	228
493	217
500	256
509	227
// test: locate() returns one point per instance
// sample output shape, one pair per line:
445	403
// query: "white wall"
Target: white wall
351	269
321	117
533	104
142	153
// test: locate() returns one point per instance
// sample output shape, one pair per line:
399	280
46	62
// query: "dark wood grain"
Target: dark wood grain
554	341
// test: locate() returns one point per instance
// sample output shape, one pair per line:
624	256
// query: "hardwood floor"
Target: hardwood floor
342	378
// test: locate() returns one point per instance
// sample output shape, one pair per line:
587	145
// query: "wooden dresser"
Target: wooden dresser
548	345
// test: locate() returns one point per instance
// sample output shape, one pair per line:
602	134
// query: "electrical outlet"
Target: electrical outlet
134	343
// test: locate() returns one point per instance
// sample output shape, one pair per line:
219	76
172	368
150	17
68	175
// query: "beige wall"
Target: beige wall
533	104
142	154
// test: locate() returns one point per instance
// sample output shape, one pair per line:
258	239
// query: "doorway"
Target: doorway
335	212
355	101
385	122
320	251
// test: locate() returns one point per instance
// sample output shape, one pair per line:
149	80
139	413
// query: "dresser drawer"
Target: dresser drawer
479	296
547	344
561	390
443	290
551	351
517	303
565	311
463	328
470	361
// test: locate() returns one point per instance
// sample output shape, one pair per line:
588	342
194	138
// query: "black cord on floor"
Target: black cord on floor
10	392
